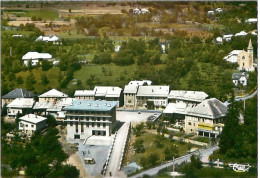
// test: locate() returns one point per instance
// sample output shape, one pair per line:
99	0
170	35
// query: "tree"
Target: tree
170	152
51	121
46	65
139	146
44	79
19	80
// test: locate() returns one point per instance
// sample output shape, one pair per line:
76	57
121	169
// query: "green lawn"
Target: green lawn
209	73
52	76
113	75
44	14
17	32
71	35
150	147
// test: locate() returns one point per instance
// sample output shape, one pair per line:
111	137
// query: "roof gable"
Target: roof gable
18	93
53	93
210	108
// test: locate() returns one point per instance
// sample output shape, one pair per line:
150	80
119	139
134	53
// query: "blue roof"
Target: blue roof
92	105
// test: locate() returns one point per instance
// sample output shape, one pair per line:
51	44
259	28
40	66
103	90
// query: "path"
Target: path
117	151
154	171
76	161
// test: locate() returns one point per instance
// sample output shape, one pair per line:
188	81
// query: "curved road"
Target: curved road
246	97
154	171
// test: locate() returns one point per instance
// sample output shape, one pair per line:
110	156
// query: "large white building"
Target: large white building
30	123
54	39
52	95
85	118
35	57
109	93
244	59
130	92
156	95
20	106
188	97
206	119
84	94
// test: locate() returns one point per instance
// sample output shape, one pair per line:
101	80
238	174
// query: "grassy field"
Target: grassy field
106	74
42	13
208	72
150	146
17	32
73	34
51	74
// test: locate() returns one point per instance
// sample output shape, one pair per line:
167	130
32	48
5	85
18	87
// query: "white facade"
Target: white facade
86	118
227	37
30	123
84	94
219	10
242	33
20	106
219	39
34	57
251	20
232	56
211	12
52	95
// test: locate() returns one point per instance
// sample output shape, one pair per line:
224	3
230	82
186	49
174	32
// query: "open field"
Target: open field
18	32
51	74
38	13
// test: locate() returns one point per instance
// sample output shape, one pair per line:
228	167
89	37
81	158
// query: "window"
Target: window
243	64
82	127
189	123
104	118
92	124
32	126
71	123
98	124
243	57
193	124
26	125
104	125
87	124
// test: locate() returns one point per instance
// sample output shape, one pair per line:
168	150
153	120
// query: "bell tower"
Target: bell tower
250	50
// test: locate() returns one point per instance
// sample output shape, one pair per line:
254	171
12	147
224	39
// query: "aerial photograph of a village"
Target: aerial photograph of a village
138	89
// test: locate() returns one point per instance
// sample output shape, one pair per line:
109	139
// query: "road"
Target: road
117	151
246	97
154	171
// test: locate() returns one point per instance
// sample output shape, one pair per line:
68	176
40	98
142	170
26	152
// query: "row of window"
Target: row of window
26	125
87	119
87	125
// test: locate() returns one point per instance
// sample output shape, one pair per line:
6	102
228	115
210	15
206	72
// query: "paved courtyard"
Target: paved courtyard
133	116
98	152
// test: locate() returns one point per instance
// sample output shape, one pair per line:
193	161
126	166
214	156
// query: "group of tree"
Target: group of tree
238	142
41	157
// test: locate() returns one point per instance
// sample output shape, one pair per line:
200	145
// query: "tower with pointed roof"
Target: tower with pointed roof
250	50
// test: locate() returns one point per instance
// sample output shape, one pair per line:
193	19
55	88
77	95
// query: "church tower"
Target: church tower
250	51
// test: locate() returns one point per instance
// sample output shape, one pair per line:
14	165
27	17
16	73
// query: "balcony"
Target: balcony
216	128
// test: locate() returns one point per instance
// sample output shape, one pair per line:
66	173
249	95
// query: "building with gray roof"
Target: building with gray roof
189	97
152	96
240	79
85	118
206	118
16	93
